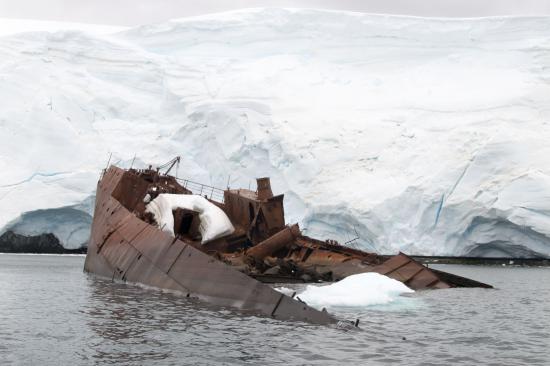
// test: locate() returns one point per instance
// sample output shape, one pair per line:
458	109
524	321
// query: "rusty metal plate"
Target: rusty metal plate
417	276
132	227
152	243
112	248
423	279
326	258
291	309
166	260
405	272
392	264
145	272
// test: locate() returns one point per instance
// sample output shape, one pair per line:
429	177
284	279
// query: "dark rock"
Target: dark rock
11	242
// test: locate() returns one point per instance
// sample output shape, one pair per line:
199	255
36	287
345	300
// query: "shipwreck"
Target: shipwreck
224	247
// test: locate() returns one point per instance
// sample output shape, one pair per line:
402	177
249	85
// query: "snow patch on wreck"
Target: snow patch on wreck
214	223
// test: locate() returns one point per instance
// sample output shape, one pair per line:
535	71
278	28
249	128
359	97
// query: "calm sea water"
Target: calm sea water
51	313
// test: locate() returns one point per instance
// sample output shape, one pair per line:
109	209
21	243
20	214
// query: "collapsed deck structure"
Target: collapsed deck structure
129	243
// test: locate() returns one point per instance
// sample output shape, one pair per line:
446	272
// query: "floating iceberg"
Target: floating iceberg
362	289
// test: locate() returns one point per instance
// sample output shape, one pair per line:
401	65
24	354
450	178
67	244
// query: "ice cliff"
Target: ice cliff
428	136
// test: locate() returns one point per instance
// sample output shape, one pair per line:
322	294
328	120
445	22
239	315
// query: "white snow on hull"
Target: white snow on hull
428	136
214	223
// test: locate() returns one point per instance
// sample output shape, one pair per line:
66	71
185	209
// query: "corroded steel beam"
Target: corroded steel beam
274	243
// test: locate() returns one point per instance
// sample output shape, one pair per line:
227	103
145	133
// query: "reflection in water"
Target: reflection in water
133	324
125	320
51	313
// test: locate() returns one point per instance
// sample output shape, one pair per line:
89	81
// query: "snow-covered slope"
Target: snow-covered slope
13	26
428	136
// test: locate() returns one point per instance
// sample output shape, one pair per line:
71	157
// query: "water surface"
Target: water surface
51	313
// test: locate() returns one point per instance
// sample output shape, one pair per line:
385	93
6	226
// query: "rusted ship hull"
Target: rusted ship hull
126	245
123	247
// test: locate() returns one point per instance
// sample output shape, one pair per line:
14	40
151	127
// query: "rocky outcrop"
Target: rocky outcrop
11	242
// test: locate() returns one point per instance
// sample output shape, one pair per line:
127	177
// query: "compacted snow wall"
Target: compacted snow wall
428	136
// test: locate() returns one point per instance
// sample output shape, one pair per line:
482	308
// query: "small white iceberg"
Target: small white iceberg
358	290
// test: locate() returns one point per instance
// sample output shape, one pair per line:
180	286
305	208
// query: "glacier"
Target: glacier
423	135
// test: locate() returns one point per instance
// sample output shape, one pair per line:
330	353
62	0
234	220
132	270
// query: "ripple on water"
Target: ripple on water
51	313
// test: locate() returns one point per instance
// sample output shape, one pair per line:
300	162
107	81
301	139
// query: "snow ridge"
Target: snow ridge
427	136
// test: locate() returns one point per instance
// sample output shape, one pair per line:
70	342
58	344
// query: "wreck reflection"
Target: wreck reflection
132	325
125	320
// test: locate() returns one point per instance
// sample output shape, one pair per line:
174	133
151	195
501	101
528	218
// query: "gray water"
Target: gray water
51	313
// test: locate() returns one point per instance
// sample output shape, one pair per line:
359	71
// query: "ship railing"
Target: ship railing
212	193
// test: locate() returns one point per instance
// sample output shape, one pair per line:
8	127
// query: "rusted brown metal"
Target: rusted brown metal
274	243
126	245
264	188
417	276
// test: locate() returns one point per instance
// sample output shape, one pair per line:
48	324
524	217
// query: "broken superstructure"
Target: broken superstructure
128	244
